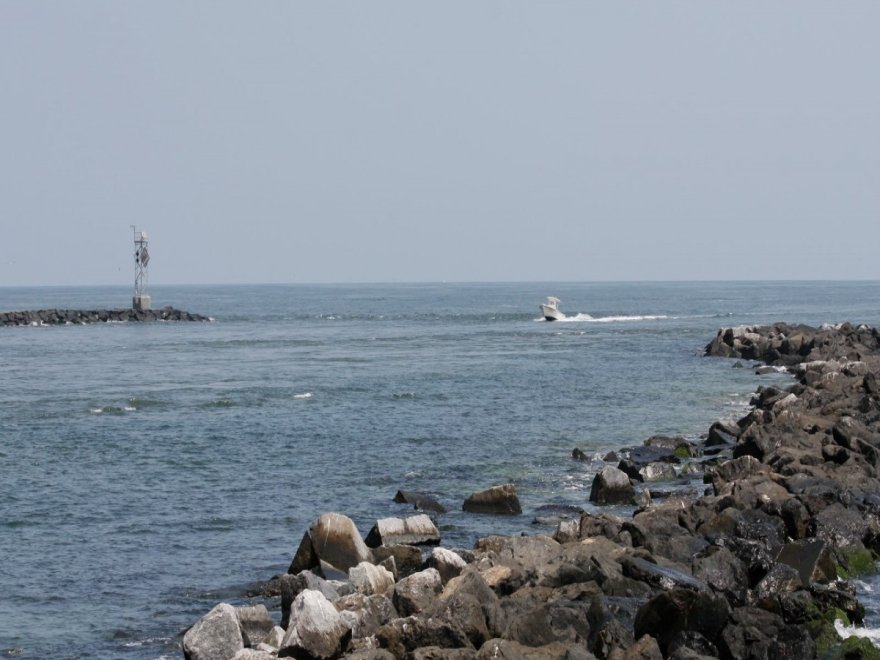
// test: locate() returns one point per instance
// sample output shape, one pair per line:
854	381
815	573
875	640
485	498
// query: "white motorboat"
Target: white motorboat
550	309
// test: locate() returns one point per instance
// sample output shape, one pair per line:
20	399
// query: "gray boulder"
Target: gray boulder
418	592
316	629
370	579
447	563
332	539
365	614
414	530
255	623
420	501
216	636
612	486
498	499
293	585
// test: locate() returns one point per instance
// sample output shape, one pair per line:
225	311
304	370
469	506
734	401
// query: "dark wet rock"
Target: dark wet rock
502	649
407	558
579	455
757	633
796	518
405	635
498	499
645	648
420	501
812	559
724	572
659	577
672	612
723	433
691	645
470	604
780	579
665	530
81	317
612	486
611	625
839	526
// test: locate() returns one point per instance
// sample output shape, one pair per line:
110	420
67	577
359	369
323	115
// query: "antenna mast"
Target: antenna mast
141	300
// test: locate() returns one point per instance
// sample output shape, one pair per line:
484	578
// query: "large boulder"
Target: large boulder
414	530
255	623
332	539
812	559
498	499
448	563
216	636
316	629
758	633
420	501
612	486
293	585
418	592
470	603
681	609
407	558
370	579
365	614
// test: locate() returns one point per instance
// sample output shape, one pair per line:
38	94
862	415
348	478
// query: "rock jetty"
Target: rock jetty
752	560
81	317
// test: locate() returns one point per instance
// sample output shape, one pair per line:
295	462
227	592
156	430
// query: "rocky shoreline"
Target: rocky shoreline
81	317
755	562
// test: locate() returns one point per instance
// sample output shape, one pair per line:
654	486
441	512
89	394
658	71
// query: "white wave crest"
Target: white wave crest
304	395
845	631
586	318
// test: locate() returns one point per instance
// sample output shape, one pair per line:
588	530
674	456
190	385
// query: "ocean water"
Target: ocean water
149	471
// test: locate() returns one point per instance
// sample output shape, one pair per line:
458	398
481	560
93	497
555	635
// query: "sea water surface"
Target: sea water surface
149	471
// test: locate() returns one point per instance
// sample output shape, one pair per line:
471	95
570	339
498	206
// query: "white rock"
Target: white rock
316	629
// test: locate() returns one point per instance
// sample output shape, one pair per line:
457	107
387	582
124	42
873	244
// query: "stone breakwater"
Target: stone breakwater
751	559
80	317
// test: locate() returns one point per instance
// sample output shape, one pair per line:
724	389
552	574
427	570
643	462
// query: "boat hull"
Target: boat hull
551	313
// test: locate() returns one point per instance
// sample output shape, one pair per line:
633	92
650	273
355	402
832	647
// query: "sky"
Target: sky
497	140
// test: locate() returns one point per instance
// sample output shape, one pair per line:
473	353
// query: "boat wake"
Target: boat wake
586	318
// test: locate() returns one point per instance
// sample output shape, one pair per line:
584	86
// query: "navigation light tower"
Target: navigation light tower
141	300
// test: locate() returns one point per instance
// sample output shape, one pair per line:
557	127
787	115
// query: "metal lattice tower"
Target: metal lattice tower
141	300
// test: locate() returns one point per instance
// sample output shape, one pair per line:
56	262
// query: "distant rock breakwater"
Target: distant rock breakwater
752	559
81	317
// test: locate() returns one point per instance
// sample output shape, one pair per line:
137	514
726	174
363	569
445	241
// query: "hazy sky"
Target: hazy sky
451	141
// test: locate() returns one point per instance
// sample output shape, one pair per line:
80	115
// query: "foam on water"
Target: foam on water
623	318
304	395
845	631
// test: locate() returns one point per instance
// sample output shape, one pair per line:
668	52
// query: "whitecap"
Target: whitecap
129	408
97	411
586	318
304	395
845	631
